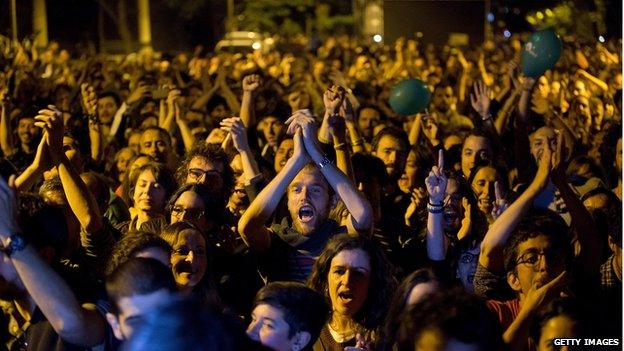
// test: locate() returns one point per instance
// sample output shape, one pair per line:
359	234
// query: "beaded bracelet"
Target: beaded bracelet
435	210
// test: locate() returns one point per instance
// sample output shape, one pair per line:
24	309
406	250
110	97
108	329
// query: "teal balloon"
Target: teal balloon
409	97
540	53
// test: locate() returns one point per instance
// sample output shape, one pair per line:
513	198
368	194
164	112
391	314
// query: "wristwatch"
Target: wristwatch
16	243
324	162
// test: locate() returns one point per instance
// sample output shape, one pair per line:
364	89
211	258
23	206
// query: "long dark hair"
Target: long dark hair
382	283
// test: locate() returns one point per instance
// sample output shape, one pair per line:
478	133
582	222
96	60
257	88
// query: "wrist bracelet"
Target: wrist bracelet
435	210
358	142
429	203
340	146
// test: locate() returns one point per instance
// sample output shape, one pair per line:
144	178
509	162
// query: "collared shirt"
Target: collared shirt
608	278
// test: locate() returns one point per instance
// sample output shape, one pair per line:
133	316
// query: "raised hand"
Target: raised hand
252	83
237	131
466	223
500	204
337	78
140	92
544	166
346	110
480	99
332	98
416	198
436	181
300	154
89	99
540	295
51	121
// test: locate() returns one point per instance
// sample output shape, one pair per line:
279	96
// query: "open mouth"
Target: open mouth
346	296
306	213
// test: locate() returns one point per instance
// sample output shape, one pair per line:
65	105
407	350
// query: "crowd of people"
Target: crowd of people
275	201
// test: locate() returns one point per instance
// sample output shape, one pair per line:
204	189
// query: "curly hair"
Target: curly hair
212	153
382	284
535	223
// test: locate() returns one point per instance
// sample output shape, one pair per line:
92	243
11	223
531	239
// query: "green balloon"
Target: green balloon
540	53
409	97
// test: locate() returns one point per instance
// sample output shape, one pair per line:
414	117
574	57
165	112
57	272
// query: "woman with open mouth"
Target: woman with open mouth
357	282
189	262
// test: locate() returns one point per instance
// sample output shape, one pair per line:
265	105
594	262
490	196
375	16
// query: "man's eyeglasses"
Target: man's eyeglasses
532	258
191	213
197	173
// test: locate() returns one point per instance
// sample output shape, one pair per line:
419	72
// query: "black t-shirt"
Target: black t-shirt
292	254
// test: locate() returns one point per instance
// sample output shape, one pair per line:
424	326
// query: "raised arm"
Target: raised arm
251	87
89	106
78	325
6	132
360	210
491	256
80	199
436	188
238	133
252	225
582	220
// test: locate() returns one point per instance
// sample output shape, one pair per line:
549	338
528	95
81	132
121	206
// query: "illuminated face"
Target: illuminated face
155	144
453	209
543	88
540	138
393	154
560	326
134	142
348	280
408	180
27	131
149	195
123	157
189	260
308	200
367	120
283	153
190	207
106	109
203	171
475	149
580	90
272	129
269	328
483	188
537	264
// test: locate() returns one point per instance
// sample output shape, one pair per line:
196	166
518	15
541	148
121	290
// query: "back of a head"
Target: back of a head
185	325
44	225
454	317
304	309
131	244
138	276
